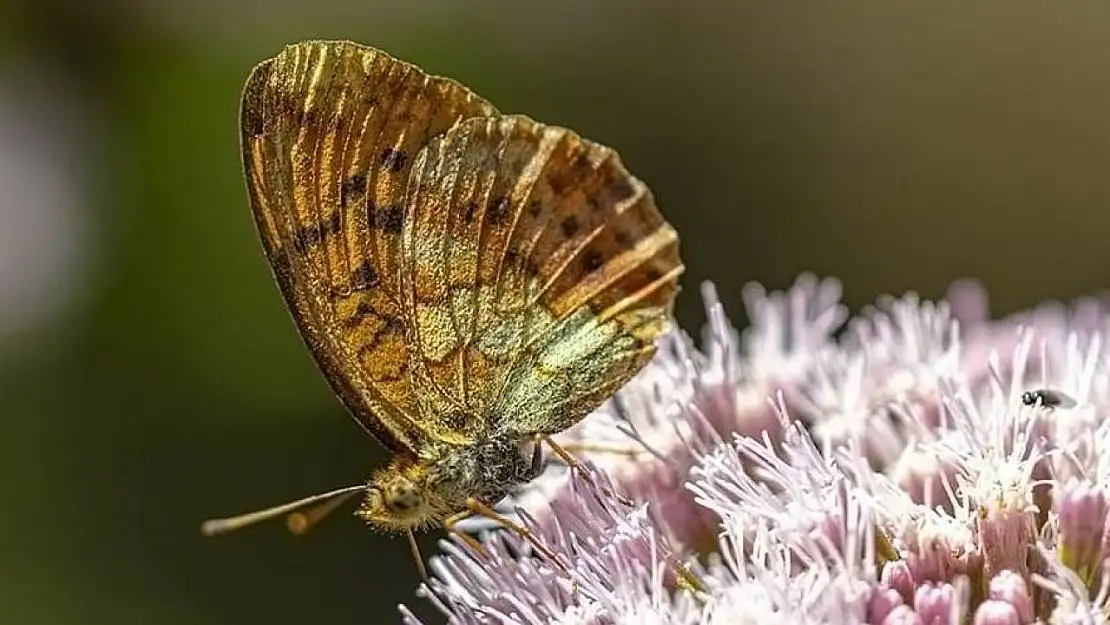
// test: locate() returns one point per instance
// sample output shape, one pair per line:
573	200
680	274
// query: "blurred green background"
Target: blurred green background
151	376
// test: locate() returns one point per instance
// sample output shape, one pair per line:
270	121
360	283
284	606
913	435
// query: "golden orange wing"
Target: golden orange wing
538	272
330	131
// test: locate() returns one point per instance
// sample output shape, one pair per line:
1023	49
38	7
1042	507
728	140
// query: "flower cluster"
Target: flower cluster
919	463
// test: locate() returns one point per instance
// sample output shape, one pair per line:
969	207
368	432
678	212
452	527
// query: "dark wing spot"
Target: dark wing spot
389	325
335	223
570	226
469	212
365	277
592	260
498	211
394	160
582	164
352	189
572	175
388	218
312	234
402	370
561	180
362	311
534	208
307	236
622	238
652	274
620	188
369	99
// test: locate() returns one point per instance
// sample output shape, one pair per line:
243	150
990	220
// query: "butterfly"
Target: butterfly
469	282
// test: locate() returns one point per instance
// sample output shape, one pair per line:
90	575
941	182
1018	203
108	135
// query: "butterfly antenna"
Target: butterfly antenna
298	522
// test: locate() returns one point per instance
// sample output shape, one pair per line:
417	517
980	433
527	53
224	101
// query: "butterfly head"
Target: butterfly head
397	498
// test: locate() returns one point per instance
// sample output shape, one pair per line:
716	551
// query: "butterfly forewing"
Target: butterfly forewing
538	273
330	131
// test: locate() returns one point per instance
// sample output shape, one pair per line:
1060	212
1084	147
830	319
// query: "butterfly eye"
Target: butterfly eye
402	496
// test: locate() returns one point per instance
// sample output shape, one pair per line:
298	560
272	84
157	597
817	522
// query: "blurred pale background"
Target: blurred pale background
151	376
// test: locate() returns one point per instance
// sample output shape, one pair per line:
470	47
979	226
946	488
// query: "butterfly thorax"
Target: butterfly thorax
415	492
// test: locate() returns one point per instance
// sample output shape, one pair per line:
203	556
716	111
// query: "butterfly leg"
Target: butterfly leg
537	458
603	449
684	578
475	506
449	524
576	465
560	451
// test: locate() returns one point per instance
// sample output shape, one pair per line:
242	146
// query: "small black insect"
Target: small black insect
1049	398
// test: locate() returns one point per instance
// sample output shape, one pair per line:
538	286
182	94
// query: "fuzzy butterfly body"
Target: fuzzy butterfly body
466	280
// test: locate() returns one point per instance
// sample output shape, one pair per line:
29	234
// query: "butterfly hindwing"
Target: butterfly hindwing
538	272
330	131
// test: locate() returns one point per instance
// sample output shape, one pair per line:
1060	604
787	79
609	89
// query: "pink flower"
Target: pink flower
897	474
